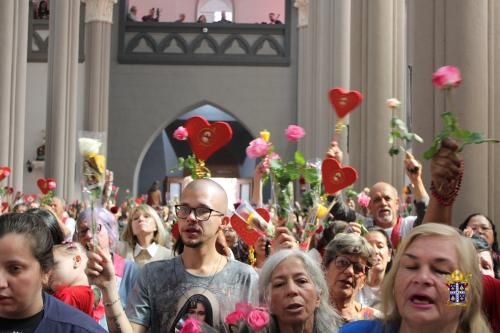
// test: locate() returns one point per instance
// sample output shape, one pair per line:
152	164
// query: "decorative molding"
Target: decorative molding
303	7
99	10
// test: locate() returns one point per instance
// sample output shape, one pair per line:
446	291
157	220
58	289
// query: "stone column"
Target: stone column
13	63
464	34
323	64
98	20
62	95
377	70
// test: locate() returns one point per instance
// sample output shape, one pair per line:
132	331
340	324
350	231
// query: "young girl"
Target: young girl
68	280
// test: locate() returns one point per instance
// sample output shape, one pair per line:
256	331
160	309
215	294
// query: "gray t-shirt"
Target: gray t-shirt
165	291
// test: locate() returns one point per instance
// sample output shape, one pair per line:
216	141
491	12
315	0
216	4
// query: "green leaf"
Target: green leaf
299	158
311	175
394	151
275	164
417	138
429	153
450	121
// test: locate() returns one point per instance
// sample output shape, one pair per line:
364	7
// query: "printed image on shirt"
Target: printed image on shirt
198	307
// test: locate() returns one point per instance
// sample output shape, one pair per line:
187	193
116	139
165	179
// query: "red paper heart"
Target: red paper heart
205	138
344	101
4	172
5	206
264	213
248	235
336	177
43	185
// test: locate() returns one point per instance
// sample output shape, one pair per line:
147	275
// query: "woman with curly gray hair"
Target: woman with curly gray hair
294	288
347	260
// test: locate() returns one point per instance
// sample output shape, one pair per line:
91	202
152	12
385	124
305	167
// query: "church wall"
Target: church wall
145	98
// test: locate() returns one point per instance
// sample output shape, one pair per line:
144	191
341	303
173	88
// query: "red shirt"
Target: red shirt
80	297
491	301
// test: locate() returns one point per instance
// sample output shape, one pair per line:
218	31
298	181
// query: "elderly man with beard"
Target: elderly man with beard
385	203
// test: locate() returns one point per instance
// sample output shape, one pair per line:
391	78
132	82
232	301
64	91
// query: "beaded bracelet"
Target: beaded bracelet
112	303
449	198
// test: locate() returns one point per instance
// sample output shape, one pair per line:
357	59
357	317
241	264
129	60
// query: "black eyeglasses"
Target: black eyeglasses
343	263
83	232
200	213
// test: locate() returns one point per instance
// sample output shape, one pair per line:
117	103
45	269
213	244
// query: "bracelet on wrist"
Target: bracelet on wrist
112	303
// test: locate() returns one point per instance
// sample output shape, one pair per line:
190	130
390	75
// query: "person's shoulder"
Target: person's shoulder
60	315
367	326
235	265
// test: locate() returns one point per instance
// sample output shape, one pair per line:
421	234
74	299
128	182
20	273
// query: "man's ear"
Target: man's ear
225	222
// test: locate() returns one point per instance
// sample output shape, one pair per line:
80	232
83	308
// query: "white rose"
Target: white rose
89	146
393	103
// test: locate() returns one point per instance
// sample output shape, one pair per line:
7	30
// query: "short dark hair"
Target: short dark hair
35	230
50	220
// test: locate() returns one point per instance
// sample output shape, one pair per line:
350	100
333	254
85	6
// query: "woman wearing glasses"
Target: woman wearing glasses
482	226
346	261
126	271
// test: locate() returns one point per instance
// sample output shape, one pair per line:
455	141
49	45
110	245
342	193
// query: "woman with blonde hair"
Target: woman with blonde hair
416	292
144	237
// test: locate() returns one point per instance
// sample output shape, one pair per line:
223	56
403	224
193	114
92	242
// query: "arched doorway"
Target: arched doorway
229	162
212	9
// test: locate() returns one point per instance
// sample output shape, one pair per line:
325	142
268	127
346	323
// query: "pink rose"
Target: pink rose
446	77
257	148
363	199
234	317
181	133
191	325
258	319
51	184
294	133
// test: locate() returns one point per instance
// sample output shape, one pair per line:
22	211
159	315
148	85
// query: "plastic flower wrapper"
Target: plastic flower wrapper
246	212
447	78
93	163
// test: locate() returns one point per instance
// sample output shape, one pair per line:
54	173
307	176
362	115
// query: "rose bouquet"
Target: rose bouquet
47	187
283	174
91	146
256	318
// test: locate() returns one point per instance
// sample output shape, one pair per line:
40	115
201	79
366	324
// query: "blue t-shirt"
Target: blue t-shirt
368	326
59	317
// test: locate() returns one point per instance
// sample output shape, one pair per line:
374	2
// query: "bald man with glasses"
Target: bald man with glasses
165	288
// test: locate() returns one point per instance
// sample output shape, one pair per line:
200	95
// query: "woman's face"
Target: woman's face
482	227
84	234
260	246
143	223
420	286
382	251
21	278
486	263
345	276
293	294
198	312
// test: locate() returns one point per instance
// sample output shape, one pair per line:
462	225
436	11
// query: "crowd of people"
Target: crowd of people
154	16
142	267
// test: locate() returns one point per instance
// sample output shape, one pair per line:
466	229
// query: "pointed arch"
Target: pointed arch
134	42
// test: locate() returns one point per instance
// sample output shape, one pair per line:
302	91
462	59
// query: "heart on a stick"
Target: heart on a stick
4	172
344	101
46	185
247	234
336	177
205	138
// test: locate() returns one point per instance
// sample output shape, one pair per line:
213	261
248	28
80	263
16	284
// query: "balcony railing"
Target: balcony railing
203	44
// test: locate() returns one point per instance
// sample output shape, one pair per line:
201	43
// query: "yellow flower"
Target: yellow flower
322	211
265	135
99	161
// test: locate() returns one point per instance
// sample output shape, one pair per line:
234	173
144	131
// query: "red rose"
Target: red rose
258	319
